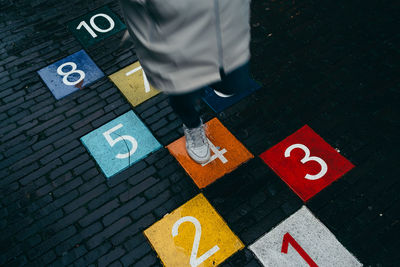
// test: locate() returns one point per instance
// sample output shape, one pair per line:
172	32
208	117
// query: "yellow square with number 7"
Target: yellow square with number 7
133	84
193	235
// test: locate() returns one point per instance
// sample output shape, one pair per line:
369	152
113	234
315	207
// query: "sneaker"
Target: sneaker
197	144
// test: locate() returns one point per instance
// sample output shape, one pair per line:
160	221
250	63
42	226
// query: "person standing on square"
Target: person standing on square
184	46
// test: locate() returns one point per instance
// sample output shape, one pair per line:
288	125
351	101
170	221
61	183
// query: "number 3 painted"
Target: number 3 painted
322	163
112	142
194	261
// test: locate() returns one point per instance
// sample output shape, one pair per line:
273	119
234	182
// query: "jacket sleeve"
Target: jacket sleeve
137	19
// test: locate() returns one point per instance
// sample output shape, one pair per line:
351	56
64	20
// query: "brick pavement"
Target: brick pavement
331	65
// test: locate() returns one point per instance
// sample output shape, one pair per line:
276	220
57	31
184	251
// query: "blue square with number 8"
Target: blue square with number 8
120	143
70	74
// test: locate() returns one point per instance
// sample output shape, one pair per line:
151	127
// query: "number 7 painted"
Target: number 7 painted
133	83
145	81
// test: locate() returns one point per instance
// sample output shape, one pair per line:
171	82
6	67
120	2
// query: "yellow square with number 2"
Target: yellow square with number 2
133	84
193	235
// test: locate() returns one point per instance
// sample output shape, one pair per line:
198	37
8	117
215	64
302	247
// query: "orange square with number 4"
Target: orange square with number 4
227	153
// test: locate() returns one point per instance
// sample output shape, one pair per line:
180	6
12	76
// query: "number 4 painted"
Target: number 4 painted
287	238
217	154
146	82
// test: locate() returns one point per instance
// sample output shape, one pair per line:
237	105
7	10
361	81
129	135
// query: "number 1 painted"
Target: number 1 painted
287	238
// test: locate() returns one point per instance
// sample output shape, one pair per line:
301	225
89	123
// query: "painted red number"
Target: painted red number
287	238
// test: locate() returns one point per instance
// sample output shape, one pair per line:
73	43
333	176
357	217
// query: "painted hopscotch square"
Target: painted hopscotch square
227	153
219	102
193	235
133	84
302	240
95	26
120	143
306	162
70	74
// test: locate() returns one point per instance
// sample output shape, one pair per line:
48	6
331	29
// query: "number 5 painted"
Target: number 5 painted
112	142
322	163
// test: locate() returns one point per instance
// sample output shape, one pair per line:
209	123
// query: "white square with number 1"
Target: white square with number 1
120	143
302	240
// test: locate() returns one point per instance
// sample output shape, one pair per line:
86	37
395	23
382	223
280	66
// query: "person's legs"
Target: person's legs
187	108
233	82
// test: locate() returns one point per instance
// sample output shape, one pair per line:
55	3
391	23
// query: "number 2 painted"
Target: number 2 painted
194	261
321	162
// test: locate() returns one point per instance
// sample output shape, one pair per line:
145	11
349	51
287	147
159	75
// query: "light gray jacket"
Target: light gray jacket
182	44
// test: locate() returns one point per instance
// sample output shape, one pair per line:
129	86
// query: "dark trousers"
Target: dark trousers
187	105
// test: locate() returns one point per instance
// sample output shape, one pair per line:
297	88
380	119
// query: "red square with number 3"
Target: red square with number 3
306	162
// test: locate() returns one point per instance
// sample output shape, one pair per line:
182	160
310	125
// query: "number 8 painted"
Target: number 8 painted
66	74
322	163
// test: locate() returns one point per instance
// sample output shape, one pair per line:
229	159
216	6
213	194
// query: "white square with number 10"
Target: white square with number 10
120	143
302	240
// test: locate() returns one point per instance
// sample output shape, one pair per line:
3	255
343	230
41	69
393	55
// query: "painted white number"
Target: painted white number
194	261
288	239
112	142
322	163
146	82
217	154
221	94
95	27
73	70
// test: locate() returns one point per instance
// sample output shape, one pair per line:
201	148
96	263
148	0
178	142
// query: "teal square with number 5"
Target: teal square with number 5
95	26
120	143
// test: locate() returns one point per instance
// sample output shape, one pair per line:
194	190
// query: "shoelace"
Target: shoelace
196	137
